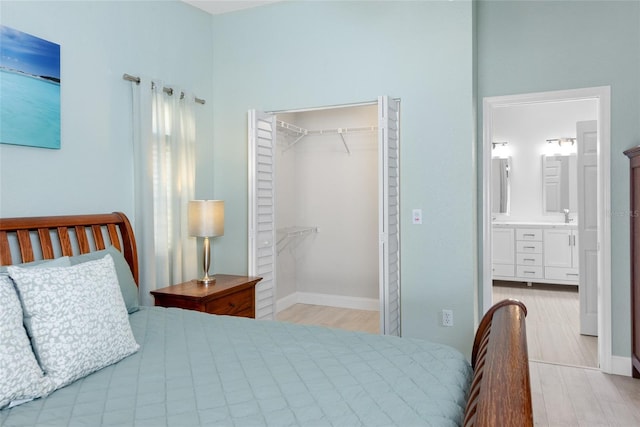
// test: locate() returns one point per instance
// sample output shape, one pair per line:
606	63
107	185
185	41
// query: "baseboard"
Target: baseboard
286	302
356	303
621	365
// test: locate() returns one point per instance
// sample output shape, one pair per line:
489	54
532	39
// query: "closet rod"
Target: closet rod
289	126
343	131
168	90
303	131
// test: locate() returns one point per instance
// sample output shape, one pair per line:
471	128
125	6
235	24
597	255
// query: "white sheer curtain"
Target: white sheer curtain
164	182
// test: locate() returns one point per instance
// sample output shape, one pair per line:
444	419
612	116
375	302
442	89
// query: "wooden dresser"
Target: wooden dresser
230	295
634	214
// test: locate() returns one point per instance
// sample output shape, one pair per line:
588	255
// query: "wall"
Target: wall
542	46
526	128
321	194
293	55
93	170
274	57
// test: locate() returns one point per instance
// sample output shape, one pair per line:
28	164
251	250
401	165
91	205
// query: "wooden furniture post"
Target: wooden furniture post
634	215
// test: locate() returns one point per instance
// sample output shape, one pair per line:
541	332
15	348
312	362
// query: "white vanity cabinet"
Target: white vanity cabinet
543	253
503	253
561	254
529	253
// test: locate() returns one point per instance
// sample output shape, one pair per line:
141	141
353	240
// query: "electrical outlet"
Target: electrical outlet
447	317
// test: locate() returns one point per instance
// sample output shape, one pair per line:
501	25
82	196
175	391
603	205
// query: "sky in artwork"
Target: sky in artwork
29	54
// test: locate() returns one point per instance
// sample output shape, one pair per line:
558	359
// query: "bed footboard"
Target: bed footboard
500	393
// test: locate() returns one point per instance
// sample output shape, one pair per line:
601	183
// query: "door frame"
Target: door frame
602	95
383	237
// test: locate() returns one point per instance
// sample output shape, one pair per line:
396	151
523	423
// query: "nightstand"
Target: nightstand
231	295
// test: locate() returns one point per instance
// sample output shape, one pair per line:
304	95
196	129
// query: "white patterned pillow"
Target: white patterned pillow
20	376
76	318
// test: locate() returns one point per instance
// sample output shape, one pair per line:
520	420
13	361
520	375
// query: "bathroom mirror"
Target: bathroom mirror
559	183
500	186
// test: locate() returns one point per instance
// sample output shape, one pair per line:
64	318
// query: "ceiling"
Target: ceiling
216	7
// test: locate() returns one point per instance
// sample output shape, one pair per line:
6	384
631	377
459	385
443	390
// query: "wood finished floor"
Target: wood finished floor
562	395
574	396
553	323
333	317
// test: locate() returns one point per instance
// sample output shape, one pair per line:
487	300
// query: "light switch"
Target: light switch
417	216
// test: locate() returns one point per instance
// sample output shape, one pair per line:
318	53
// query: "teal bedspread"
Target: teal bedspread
199	369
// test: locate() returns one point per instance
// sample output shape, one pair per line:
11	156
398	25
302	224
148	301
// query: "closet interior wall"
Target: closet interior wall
327	206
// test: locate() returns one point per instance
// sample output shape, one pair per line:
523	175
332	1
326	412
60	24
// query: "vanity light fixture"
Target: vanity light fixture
501	144
499	149
562	142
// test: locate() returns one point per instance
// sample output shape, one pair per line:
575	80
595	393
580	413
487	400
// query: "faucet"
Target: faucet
566	216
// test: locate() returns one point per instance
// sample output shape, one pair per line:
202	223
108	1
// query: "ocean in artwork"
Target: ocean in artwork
29	90
29	110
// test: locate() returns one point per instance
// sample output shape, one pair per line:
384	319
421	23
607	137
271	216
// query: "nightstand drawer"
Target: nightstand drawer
230	295
234	304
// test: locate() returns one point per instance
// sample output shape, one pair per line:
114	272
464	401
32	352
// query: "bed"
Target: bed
189	368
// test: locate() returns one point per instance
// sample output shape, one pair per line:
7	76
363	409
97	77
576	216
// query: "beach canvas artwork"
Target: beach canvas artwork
29	90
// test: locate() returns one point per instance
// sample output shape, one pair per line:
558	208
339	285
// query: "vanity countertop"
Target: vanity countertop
535	224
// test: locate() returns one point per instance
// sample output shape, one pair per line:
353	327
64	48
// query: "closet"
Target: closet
323	208
327	207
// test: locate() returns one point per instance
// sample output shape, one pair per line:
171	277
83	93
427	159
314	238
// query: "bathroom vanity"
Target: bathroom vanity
543	249
535	252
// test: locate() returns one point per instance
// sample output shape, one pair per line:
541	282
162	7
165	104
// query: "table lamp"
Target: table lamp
206	219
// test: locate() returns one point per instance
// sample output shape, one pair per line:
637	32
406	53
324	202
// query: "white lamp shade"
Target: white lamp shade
206	218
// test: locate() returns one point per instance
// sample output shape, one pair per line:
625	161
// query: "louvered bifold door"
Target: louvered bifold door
389	218
262	255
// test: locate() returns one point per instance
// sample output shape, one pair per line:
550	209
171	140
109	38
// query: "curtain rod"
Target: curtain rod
168	90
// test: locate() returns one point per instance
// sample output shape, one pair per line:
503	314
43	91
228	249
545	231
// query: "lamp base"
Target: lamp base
207	281
206	260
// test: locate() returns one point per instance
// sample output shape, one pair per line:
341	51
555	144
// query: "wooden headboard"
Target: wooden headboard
48	237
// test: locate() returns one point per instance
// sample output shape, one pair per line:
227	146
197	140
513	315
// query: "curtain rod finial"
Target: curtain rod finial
131	78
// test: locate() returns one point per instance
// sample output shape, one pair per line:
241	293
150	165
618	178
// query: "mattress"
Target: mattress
200	369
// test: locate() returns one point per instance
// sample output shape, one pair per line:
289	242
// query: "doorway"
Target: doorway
267	239
601	258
